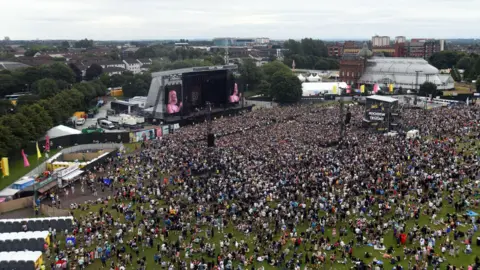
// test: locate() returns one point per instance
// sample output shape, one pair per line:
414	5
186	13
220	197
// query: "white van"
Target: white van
106	124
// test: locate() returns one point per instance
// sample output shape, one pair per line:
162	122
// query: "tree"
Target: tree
8	84
65	44
477	84
135	86
455	74
464	63
273	67
30	53
76	71
46	88
93	72
7	141
23	132
6	106
27	100
286	87
264	88
84	43
60	71
249	73
39	118
322	64
428	88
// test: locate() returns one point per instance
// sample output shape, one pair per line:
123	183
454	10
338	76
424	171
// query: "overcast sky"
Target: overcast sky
164	19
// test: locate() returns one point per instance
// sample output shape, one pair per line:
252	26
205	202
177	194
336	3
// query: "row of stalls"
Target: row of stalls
22	241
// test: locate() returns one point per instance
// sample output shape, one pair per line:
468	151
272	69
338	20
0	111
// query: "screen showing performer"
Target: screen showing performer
173	106
235	97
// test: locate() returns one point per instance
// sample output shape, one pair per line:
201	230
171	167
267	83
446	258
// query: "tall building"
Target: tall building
380	41
424	48
335	50
400	39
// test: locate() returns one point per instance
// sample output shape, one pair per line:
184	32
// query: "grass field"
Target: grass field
17	169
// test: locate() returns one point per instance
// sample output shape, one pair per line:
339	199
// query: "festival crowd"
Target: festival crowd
282	190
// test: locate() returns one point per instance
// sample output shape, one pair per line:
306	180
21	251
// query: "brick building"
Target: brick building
351	69
335	50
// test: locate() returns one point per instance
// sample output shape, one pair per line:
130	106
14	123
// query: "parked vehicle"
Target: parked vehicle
104	123
80	121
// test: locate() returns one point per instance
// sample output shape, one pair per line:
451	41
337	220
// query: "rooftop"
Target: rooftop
382	98
11	65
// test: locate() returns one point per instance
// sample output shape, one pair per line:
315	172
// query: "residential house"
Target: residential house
113	67
132	65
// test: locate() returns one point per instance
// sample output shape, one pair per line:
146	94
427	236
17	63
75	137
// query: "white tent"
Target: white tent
317	78
8	192
61	130
312	78
301	78
320	88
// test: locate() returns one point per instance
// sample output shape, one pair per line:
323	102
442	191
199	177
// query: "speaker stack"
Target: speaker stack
211	140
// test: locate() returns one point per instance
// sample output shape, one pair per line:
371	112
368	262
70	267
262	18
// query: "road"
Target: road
102	113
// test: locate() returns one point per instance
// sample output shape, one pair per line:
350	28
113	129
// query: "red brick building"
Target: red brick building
401	50
335	50
351	69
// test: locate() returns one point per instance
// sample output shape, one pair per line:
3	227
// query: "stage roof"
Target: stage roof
382	98
192	69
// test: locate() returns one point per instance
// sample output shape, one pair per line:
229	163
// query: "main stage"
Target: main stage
202	116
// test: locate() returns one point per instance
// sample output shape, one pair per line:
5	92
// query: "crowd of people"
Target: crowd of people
276	194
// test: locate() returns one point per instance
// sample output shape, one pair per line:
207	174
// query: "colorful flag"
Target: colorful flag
390	88
334	89
376	88
362	88
39	154
349	89
293	65
25	160
47	143
5	169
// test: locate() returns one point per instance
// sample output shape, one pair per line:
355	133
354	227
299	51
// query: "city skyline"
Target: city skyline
154	20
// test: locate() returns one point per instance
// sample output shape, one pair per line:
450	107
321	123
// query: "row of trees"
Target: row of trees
45	81
29	121
132	84
275	80
309	54
470	63
169	52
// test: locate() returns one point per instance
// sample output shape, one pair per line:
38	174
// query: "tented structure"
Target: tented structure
22	260
36	224
301	78
62	130
20	241
322	88
312	78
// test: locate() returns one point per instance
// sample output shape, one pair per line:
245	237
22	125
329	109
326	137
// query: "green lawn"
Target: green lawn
17	170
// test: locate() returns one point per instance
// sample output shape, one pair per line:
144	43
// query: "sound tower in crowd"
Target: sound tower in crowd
210	135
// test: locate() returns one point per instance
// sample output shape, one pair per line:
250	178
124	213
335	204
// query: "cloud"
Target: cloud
153	19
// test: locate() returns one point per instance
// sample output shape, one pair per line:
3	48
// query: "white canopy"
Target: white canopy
301	78
72	175
62	130
320	88
23	235
20	256
34	219
312	78
8	192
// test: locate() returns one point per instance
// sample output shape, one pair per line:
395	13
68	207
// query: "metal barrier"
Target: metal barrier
43	166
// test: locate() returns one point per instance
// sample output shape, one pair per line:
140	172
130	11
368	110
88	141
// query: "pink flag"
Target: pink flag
375	88
235	88
25	160
349	88
47	143
293	65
